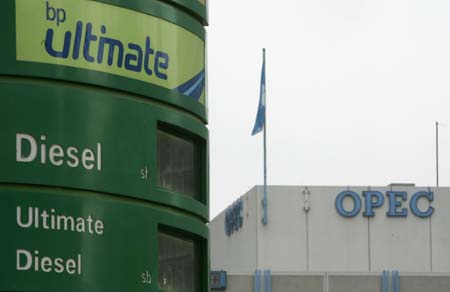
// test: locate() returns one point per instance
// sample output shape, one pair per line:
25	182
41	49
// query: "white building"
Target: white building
336	239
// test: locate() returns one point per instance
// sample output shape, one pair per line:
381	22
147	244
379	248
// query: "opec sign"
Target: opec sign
396	201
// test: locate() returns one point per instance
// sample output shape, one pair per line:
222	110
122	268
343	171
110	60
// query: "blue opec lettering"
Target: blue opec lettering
233	217
375	199
135	58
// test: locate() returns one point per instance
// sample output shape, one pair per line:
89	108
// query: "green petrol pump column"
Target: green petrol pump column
85	89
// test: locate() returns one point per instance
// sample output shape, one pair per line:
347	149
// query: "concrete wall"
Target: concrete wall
335	243
282	242
297	283
339	283
440	232
321	240
400	243
240	283
237	253
354	283
425	283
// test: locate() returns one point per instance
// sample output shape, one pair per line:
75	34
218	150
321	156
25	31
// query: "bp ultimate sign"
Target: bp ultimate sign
156	50
138	47
102	116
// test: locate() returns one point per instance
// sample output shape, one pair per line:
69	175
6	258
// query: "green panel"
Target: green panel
156	42
113	241
185	13
197	8
116	132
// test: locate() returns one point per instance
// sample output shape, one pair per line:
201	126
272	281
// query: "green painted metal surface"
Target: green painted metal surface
112	246
197	8
118	129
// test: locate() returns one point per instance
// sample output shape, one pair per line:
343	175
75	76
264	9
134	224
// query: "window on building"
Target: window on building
178	264
179	163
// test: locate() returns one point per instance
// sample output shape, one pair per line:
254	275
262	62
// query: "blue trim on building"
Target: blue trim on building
257	281
385	281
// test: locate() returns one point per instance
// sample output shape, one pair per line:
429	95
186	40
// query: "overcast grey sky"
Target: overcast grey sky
354	88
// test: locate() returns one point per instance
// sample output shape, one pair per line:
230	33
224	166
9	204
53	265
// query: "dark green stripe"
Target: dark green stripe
199	10
163	11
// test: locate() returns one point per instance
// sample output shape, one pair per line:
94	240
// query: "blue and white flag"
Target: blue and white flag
261	114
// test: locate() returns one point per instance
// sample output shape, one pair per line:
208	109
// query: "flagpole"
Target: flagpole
264	203
437	154
260	125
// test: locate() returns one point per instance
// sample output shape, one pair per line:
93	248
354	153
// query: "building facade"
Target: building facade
337	239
